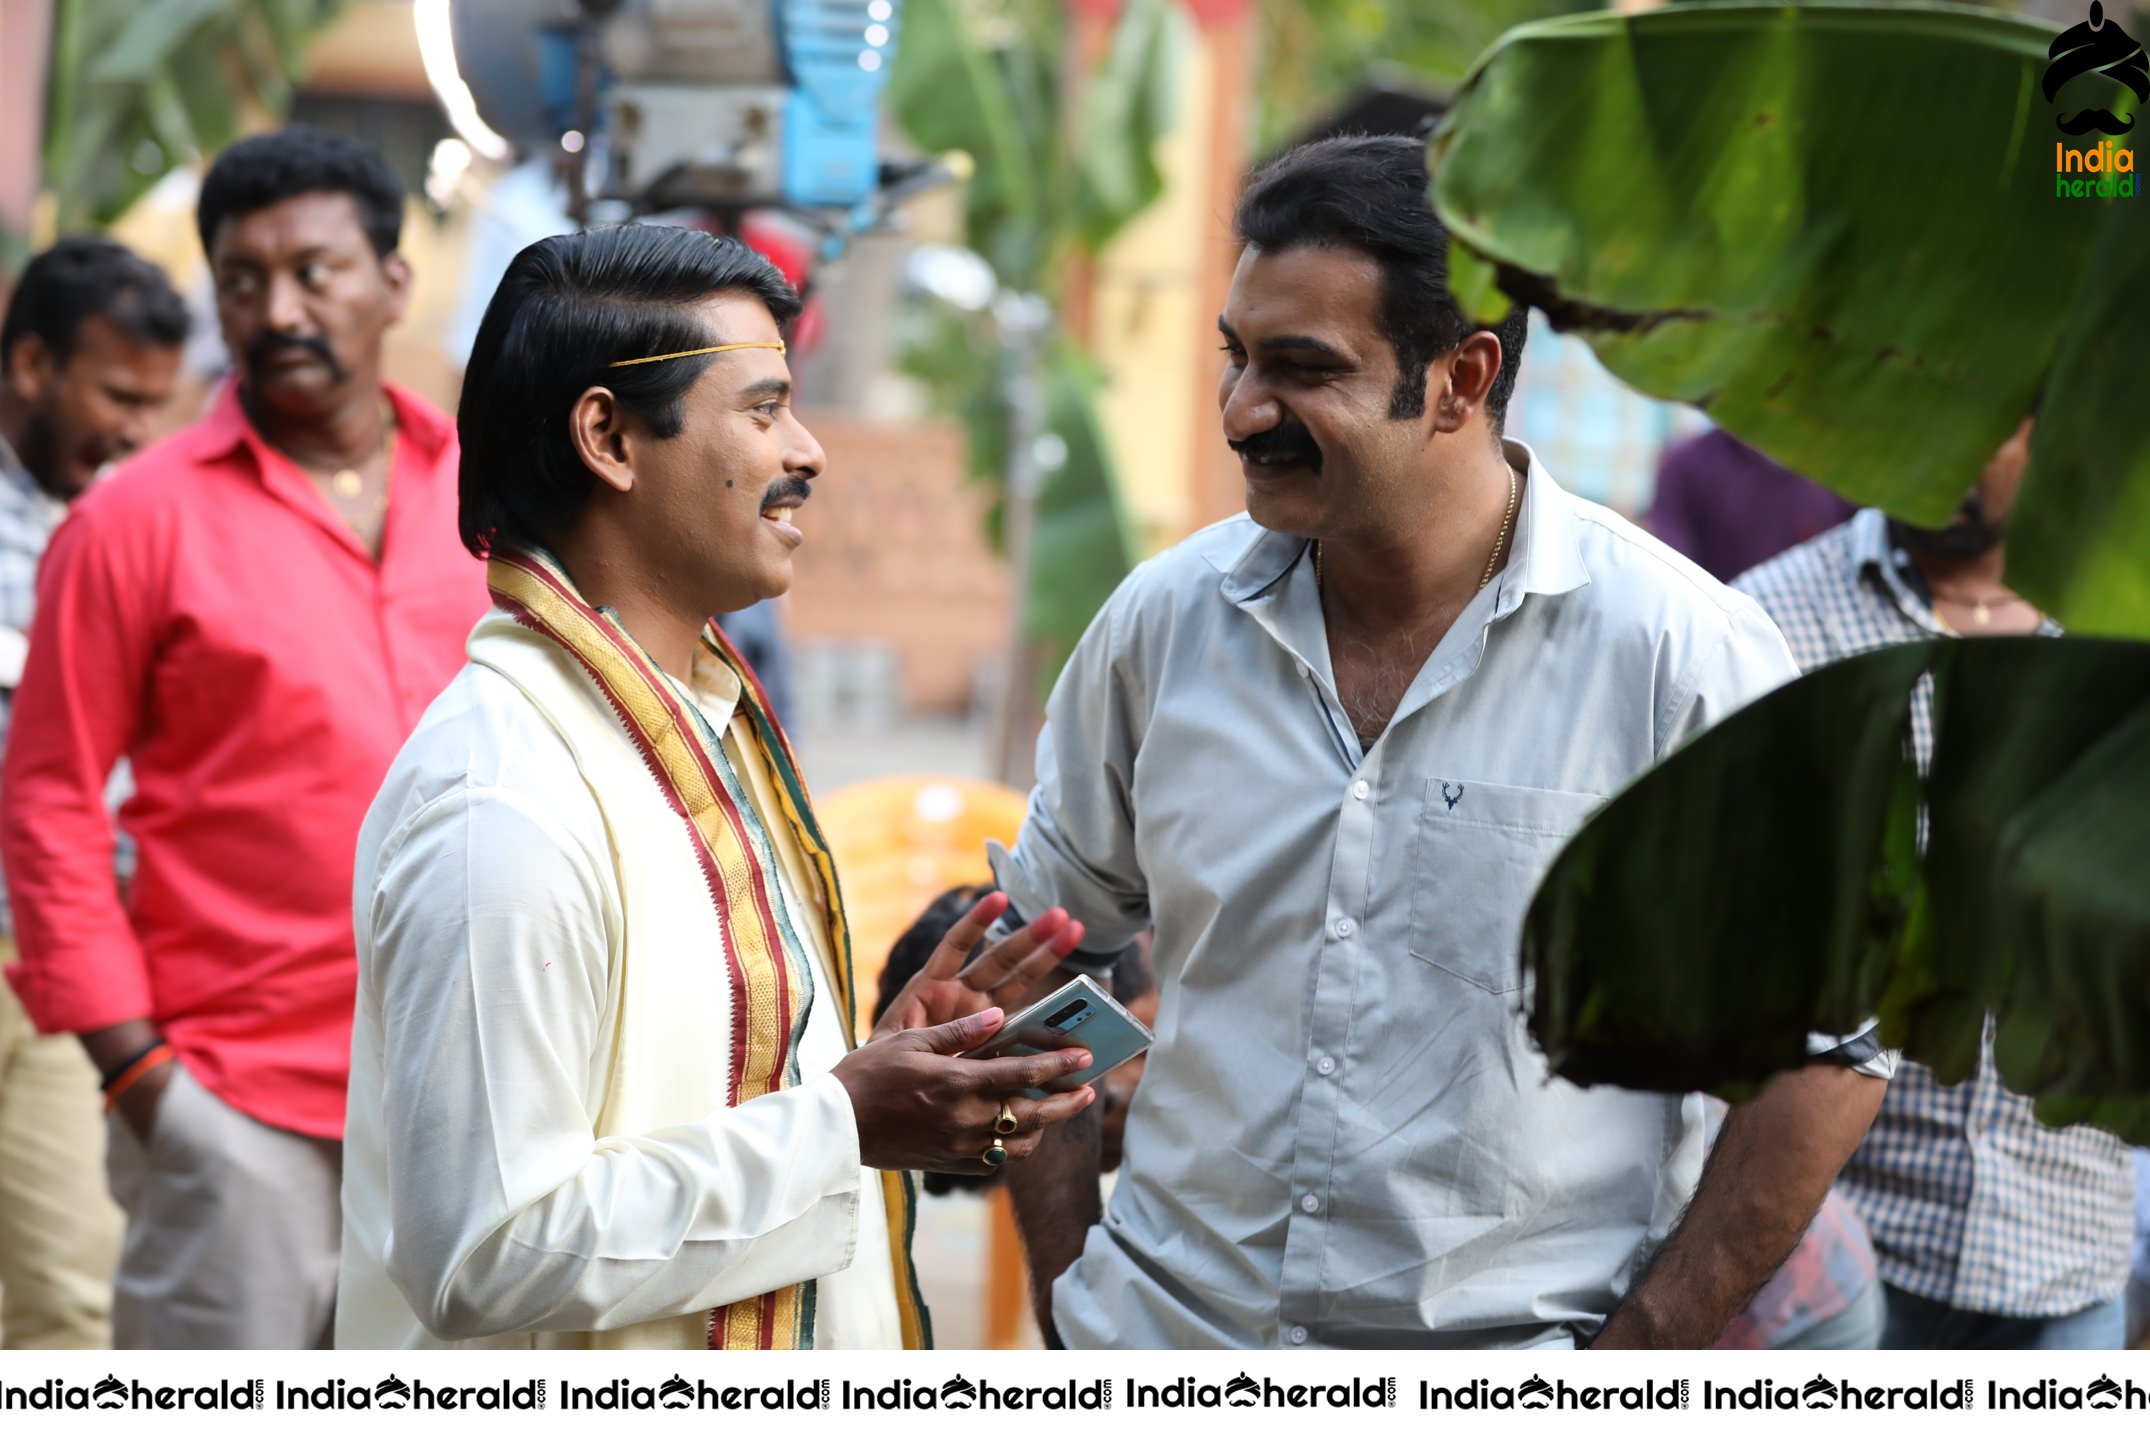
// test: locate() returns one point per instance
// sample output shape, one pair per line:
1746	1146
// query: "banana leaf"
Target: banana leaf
949	93
1747	890
137	89
1762	211
1054	177
1081	542
1766	880
1126	105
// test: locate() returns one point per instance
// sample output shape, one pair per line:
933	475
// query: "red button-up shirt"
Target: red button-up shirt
206	614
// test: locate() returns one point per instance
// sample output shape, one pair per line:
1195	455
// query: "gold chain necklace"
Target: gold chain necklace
1514	491
349	483
1981	608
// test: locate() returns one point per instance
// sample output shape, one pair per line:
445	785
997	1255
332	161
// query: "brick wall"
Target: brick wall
895	552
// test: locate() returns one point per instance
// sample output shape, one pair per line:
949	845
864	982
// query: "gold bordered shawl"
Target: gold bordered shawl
768	989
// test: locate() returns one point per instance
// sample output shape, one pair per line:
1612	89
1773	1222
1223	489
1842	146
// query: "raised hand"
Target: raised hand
946	989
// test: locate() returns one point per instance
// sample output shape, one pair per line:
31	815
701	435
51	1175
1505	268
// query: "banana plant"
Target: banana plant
1063	162
137	89
1746	208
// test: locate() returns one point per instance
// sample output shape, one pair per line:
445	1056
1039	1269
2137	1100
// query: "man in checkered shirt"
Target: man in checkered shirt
1992	1230
89	351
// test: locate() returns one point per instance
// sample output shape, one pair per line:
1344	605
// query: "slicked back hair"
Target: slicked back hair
567	308
1369	193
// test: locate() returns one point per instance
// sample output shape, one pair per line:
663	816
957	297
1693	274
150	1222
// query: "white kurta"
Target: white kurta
539	1152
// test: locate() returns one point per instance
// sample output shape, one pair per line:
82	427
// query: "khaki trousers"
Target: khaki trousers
233	1229
59	1230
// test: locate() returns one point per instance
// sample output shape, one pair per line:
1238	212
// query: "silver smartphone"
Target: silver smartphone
1081	1013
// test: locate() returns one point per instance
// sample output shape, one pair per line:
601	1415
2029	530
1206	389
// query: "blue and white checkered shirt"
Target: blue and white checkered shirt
1970	1201
28	515
1603	438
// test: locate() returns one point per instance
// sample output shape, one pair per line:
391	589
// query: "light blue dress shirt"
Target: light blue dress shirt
1344	1136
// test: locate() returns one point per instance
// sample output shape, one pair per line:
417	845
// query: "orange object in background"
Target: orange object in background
898	843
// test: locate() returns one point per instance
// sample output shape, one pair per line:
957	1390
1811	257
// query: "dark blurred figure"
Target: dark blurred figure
1728	507
1133	986
89	352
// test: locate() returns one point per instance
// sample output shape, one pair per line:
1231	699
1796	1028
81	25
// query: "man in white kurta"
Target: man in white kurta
508	999
603	1090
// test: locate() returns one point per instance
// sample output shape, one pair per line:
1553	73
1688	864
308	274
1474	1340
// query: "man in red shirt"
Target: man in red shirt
255	612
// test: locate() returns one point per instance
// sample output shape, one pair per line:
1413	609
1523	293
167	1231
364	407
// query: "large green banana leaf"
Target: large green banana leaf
1765	881
138	88
1835	229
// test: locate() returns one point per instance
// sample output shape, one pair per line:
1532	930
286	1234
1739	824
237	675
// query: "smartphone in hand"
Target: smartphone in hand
1081	1013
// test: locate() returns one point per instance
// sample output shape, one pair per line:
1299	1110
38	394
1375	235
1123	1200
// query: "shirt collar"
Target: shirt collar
23	493
1545	557
1872	553
1871	550
225	429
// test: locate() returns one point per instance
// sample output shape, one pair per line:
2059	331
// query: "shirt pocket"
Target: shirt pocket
1477	855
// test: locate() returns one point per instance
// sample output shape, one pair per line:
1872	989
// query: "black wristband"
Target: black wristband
112	1076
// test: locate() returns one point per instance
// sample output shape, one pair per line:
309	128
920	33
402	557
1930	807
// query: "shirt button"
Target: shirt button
1310	1203
1326	1065
1360	790
1344	927
1298	1334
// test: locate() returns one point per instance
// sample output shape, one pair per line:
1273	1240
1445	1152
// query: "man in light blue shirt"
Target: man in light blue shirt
1328	748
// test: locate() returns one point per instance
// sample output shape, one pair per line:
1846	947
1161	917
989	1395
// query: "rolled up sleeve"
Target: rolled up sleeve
488	960
1077	848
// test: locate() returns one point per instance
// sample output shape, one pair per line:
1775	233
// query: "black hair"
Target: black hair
299	159
567	308
83	277
1369	192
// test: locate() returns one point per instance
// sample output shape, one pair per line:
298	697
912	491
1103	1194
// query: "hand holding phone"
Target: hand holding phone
1080	1013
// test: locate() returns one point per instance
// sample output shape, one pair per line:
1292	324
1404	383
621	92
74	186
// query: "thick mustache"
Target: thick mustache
1287	442
790	488
2105	120
268	346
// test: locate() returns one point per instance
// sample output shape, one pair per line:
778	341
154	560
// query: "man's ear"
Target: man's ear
1457	383
30	369
396	271
597	426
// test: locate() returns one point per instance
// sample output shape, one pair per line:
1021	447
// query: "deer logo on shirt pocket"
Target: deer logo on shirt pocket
1477	854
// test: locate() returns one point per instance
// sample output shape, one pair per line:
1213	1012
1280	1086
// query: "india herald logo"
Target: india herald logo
2097	46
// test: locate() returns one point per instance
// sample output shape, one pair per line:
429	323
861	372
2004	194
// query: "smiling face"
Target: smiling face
1307	392
303	301
714	510
97	406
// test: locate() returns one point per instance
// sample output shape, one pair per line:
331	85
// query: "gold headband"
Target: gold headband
778	345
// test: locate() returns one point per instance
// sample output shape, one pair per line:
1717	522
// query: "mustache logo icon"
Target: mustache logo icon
2104	121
